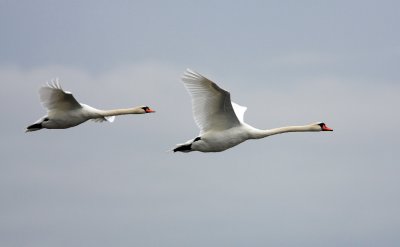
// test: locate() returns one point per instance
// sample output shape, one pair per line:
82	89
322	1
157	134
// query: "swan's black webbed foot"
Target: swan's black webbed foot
188	147
36	126
184	148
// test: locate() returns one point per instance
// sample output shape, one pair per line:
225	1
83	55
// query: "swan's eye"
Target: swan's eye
147	109
324	127
45	119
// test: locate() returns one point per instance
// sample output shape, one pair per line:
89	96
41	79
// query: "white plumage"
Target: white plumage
221	121
64	111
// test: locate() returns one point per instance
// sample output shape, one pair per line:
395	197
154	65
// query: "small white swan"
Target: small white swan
221	121
63	111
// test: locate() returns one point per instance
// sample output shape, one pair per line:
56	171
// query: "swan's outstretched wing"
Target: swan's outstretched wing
212	108
53	97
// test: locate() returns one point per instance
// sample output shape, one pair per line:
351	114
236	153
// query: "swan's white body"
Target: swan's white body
221	121
63	111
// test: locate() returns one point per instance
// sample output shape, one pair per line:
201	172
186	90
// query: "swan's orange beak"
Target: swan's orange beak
148	110
326	128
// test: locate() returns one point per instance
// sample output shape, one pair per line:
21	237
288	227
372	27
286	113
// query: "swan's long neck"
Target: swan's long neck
116	112
257	133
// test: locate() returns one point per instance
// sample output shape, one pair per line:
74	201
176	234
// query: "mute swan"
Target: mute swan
63	111
221	121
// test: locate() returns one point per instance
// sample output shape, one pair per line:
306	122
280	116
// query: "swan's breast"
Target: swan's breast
66	119
216	141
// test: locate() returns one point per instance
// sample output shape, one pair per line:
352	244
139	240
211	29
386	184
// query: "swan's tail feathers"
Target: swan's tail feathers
185	148
110	119
34	127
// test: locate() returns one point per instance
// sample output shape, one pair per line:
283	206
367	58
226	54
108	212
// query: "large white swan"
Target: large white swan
221	121
63	111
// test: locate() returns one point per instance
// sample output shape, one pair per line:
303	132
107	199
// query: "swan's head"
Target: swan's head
147	109
320	126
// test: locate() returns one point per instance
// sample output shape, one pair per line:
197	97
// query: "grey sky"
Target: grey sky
289	62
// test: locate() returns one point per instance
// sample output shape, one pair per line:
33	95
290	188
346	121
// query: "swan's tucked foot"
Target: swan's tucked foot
183	148
186	147
33	127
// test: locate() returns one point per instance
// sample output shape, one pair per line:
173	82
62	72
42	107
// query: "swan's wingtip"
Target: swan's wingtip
190	74
53	83
188	71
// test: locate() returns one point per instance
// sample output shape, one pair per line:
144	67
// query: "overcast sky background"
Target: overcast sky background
289	62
